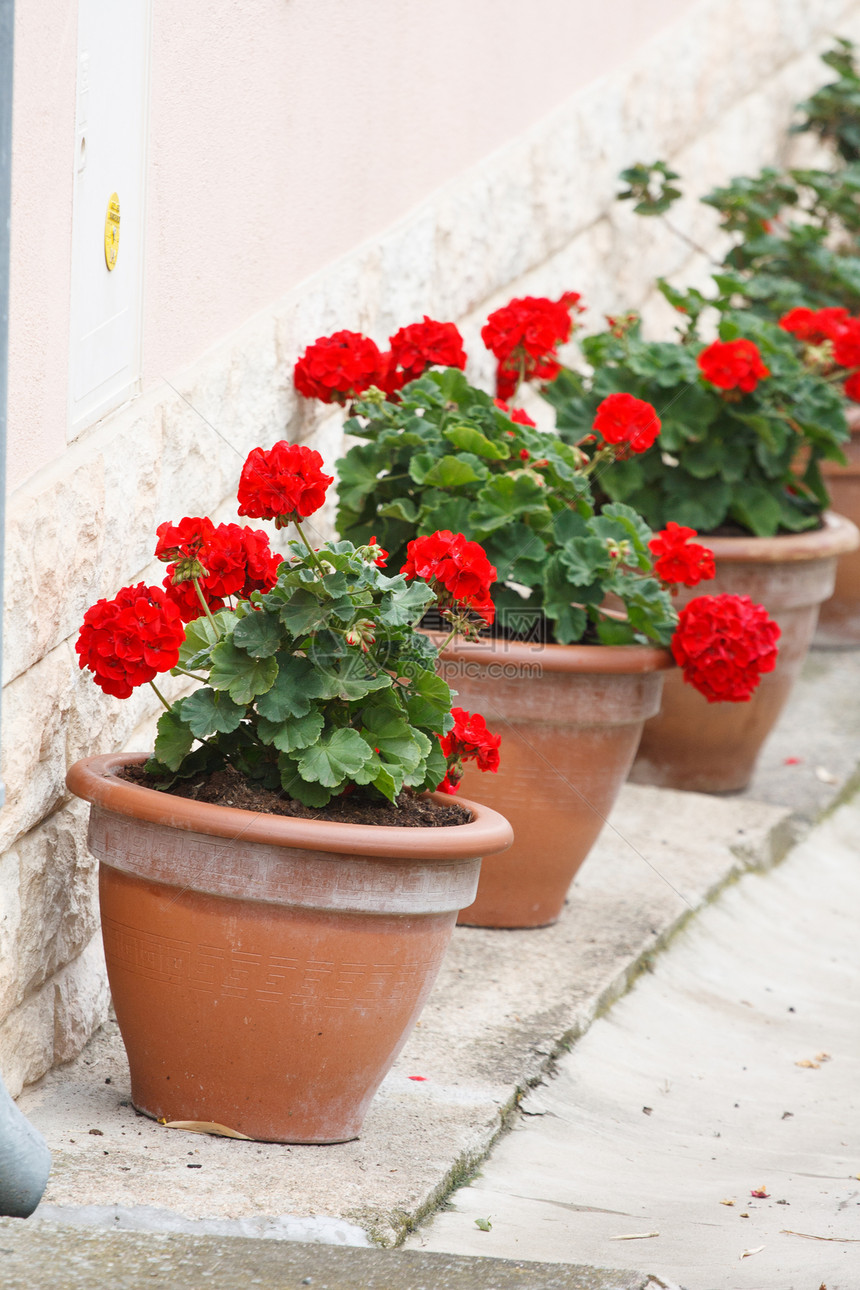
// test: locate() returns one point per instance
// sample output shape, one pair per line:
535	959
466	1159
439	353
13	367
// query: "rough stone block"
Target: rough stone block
27	1041
58	898
81	1001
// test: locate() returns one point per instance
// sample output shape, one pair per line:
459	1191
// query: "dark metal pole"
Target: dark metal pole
25	1160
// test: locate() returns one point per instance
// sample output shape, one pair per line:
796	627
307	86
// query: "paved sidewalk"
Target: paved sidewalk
734	1068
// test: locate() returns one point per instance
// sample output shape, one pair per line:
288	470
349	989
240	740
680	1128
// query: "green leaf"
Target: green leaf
294	687
405	604
209	712
428	699
612	632
304	612
292	734
242	676
583	560
394	738
471	440
757	509
434	769
258	634
702	505
450	472
200	636
508	497
570	622
629	525
337	757
400	508
173	741
358	474
299	789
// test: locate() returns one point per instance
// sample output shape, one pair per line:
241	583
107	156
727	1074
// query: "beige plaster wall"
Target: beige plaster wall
519	210
281	135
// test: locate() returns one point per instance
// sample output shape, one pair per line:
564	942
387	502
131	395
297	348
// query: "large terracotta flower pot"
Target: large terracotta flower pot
712	747
570	717
266	971
839	620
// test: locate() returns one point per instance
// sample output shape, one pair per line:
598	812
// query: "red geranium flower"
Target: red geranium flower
852	388
813	325
419	346
524	336
846	343
182	544
724	644
237	561
455	567
382	555
340	367
733	365
285	483
624	419
519	416
468	740
678	559
127	641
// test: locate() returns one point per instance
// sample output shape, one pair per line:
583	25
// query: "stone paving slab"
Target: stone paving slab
44	1257
713	1111
506	1004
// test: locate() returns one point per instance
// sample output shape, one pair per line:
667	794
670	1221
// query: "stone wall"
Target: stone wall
713	95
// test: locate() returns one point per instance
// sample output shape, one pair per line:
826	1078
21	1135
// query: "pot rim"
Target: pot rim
838	536
95	780
609	660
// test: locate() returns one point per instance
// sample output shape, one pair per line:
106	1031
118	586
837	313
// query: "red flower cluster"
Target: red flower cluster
127	641
419	346
340	367
626	420
733	365
231	560
846	343
285	483
525	335
468	740
678	559
455	567
519	416
813	326
724	644
836	325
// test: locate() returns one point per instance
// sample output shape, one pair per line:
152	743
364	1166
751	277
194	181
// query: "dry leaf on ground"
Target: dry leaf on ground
757	1249
810	1236
205	1126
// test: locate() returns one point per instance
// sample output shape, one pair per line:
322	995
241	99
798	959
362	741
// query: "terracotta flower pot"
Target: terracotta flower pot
570	717
839	620
712	747
266	971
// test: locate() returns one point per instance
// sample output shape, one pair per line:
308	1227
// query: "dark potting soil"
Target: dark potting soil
228	787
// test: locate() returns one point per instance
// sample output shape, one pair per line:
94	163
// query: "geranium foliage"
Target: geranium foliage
737	414
447	457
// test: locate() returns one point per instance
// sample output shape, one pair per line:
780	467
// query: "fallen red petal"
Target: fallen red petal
418	1077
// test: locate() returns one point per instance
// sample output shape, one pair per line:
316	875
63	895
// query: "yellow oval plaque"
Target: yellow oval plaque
112	232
